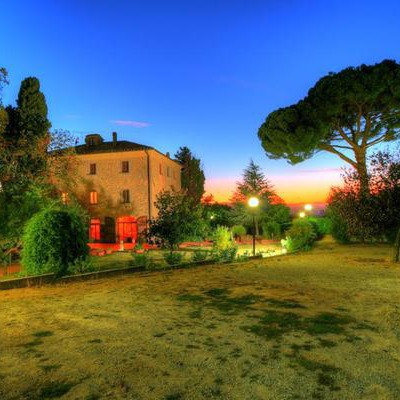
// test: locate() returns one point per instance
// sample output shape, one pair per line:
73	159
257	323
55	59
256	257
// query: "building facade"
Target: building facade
118	182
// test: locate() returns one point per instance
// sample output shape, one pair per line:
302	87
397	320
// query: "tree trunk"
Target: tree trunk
362	170
396	250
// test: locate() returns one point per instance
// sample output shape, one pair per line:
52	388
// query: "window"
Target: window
93	198
168	171
92	169
125	166
125	196
64	197
160	169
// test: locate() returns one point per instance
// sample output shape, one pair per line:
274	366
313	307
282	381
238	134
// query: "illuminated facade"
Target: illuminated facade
118	183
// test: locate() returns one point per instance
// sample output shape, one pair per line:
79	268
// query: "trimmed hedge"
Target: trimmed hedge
53	240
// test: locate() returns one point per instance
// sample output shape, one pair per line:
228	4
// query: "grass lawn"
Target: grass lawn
320	325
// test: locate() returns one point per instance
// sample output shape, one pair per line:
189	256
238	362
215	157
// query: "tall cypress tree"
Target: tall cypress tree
30	128
192	176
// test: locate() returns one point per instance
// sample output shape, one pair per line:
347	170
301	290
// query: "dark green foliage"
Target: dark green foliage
53	240
217	214
173	258
346	112
32	110
178	220
373	215
81	266
321	225
192	176
142	260
200	255
300	236
271	230
238	231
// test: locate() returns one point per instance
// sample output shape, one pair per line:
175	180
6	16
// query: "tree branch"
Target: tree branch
342	133
331	149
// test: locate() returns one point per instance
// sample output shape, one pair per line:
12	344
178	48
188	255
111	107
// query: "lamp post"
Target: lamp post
253	203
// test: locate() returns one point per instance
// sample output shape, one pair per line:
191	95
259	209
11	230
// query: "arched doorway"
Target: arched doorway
127	229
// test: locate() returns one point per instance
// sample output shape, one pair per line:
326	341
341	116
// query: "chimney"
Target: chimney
114	135
167	154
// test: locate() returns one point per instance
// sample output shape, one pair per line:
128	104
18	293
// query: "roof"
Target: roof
110	147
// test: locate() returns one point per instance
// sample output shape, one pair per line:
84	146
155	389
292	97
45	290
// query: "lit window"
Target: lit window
160	169
125	196
93	197
92	169
64	197
125	166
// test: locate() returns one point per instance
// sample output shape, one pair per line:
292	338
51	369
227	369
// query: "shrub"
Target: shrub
80	266
339	228
199	255
173	258
222	238
228	254
54	239
322	226
224	248
271	230
300	236
142	260
238	231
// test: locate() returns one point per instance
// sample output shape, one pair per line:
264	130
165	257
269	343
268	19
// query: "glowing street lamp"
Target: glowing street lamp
253	202
302	214
308	207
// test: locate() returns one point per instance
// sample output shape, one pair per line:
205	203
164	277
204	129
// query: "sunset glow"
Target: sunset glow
304	187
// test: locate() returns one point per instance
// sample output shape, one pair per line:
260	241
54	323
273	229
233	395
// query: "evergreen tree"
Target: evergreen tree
254	183
345	113
192	176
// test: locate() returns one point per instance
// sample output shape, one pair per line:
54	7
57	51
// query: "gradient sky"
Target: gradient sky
204	74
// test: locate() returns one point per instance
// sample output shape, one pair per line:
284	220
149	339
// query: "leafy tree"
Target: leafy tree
192	176
345	113
27	169
25	138
178	219
375	216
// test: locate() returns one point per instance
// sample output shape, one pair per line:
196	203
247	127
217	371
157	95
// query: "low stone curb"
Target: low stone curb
39	280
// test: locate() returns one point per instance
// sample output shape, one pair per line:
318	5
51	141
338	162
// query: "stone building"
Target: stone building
118	183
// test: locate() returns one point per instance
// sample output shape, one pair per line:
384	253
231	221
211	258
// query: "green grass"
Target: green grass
318	325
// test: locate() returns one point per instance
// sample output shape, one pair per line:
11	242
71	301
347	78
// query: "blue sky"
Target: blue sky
204	74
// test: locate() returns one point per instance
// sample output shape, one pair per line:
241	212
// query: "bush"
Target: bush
53	240
238	231
300	236
339	228
199	255
228	254
173	258
222	238
224	248
80	266
271	230
142	260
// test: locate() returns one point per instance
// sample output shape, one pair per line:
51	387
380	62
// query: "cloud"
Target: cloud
135	124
